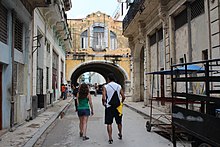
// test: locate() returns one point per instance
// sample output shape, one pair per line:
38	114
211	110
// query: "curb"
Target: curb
41	130
136	110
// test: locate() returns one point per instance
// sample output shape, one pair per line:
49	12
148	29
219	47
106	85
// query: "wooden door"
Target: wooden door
162	90
0	96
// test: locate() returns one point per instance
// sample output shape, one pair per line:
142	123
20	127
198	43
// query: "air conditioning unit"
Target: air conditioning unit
130	1
48	2
121	1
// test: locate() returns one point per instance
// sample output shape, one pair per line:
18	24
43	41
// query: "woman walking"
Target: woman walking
84	102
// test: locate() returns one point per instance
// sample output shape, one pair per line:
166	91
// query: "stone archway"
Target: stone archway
103	68
138	73
142	74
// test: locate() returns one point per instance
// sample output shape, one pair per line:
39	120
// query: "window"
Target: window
180	19
3	23
152	39
205	54
84	40
160	34
48	46
39	81
98	38
197	8
181	60
18	34
47	84
55	60
113	40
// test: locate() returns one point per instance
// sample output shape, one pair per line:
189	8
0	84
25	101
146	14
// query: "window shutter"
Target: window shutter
91	36
106	37
18	34
3	24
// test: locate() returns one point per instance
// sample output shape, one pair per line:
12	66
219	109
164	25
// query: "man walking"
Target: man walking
110	110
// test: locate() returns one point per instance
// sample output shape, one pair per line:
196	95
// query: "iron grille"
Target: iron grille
197	8
3	24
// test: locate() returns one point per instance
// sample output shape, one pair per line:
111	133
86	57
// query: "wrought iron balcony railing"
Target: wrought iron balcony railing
135	7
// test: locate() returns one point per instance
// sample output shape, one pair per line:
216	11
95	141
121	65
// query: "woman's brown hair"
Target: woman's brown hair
83	90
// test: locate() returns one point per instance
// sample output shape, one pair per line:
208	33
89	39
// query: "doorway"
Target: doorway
142	74
0	96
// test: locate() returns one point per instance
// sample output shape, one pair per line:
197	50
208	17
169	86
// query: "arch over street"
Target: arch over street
101	67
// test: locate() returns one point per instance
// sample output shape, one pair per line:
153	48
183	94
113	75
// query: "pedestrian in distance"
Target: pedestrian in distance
66	92
96	89
63	91
75	91
110	99
85	108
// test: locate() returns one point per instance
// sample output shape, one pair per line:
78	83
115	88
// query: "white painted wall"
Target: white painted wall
46	58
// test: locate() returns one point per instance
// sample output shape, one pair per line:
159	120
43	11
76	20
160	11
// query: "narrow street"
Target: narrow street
65	131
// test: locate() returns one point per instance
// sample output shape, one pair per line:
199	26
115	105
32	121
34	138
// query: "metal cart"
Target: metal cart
163	120
203	123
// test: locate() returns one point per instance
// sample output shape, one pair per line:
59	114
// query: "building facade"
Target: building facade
161	30
26	29
98	46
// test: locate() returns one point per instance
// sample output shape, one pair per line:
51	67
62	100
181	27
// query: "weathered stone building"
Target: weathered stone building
98	46
33	35
161	30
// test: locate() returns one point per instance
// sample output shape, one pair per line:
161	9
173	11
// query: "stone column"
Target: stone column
136	78
146	49
131	46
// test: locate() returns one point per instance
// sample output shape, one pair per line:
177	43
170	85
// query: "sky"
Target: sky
81	8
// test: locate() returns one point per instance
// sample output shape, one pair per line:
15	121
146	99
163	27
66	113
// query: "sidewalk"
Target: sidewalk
140	108
27	134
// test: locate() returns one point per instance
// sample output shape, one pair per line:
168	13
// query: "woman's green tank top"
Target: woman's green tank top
83	103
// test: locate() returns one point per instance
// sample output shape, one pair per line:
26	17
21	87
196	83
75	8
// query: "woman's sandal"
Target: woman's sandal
110	141
119	136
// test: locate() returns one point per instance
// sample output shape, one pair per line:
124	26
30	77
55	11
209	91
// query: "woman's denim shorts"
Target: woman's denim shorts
83	112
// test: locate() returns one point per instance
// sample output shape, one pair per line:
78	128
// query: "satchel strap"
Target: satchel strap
113	88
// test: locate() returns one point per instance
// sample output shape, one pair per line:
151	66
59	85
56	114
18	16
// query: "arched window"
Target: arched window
84	39
113	40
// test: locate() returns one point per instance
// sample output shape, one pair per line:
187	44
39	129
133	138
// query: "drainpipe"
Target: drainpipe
209	29
12	81
189	46
158	56
32	64
189	32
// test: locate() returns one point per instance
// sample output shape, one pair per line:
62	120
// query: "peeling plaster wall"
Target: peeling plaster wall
199	37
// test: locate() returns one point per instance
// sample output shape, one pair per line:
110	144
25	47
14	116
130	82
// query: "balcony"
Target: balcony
136	6
30	5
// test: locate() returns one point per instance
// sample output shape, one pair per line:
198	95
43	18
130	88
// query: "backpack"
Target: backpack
115	101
